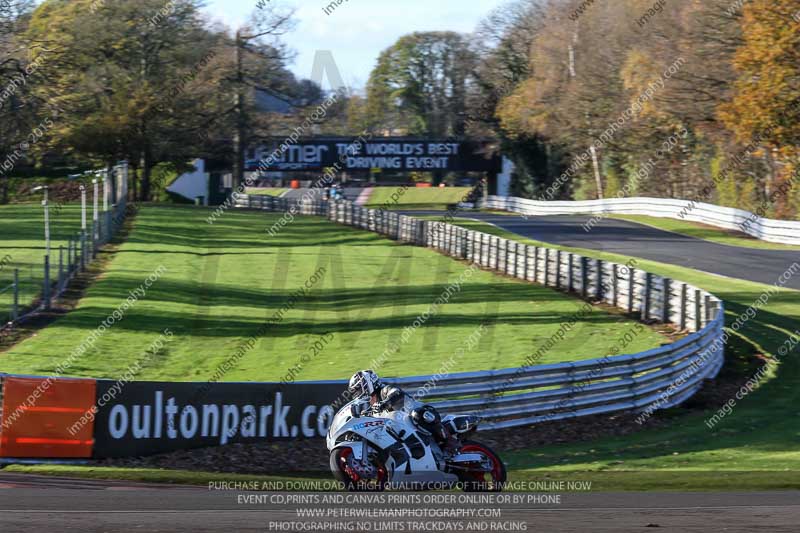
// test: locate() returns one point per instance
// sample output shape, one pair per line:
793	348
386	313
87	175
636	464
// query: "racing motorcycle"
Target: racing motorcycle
370	451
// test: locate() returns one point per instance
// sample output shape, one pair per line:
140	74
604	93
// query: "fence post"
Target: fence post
110	224
535	264
15	301
94	240
60	268
665	309
46	287
76	252
648	285
85	255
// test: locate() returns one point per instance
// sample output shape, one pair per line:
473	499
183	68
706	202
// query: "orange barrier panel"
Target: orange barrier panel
423	185
38	414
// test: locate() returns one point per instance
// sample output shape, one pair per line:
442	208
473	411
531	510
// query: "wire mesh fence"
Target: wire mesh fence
32	277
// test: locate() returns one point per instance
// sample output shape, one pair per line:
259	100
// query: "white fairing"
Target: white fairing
412	456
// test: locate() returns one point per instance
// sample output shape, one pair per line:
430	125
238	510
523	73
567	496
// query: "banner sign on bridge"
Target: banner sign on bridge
399	154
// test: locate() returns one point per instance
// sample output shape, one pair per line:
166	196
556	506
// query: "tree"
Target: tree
506	37
113	76
18	108
420	84
766	103
253	54
420	87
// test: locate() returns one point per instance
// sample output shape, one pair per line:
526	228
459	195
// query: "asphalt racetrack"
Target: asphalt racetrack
637	240
33	503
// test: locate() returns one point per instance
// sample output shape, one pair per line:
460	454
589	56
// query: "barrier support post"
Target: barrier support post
584	277
558	269
546	266
600	295
698	319
682	319
648	285
614	285
631	289
570	268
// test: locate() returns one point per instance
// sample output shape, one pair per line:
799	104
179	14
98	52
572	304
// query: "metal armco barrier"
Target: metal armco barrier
778	231
142	418
656	379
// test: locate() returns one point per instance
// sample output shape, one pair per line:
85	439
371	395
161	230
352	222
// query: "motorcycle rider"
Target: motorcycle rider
367	384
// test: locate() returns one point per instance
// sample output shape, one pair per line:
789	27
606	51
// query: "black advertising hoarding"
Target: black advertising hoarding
145	418
398	154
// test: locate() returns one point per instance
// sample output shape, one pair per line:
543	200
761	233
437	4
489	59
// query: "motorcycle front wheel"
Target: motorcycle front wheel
352	475
482	480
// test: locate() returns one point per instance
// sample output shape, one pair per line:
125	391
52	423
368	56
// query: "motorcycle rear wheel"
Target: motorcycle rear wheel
341	467
476	481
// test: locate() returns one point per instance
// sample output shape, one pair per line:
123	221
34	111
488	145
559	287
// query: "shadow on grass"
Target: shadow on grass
220	294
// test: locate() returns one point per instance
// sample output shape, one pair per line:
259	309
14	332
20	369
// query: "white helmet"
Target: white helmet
364	383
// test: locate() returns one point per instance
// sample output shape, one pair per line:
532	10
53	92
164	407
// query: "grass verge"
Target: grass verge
219	283
417	198
270	191
705	232
22	246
